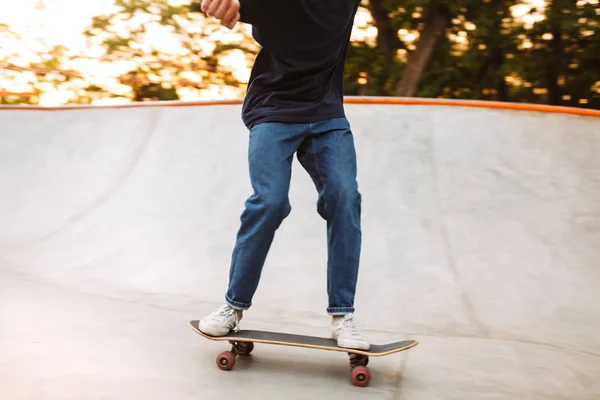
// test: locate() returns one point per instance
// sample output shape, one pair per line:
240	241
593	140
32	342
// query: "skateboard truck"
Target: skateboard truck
358	362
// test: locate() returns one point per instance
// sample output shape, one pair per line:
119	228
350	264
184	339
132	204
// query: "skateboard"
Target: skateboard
242	344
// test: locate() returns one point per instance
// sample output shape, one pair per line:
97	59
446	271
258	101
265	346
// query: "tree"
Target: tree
190	58
397	62
504	50
488	50
436	21
560	57
29	72
470	61
8	39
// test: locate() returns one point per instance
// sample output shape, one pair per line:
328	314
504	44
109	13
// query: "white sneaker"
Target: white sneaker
221	322
344	330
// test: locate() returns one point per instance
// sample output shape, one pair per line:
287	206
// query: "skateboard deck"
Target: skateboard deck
243	341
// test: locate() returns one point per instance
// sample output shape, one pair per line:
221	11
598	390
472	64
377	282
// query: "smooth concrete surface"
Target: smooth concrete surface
481	239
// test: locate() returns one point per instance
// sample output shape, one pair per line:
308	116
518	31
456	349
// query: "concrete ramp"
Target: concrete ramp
481	238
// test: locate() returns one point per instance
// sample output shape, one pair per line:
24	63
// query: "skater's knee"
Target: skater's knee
342	193
344	198
276	205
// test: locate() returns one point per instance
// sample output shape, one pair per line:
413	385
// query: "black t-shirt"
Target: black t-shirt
298	74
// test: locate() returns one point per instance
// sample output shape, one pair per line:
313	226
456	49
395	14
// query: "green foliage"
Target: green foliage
472	65
191	59
562	58
486	52
26	71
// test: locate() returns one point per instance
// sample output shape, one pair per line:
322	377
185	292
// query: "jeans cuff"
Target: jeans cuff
339	310
236	304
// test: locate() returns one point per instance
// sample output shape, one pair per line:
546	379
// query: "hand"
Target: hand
227	11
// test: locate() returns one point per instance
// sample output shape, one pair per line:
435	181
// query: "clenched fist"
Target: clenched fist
227	11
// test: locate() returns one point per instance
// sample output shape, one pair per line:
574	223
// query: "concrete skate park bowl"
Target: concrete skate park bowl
481	239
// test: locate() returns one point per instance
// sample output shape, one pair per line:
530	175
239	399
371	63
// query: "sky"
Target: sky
61	21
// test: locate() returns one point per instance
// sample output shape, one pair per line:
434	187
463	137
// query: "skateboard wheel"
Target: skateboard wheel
226	360
361	376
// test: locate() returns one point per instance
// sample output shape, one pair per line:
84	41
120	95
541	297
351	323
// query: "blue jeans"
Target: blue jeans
326	151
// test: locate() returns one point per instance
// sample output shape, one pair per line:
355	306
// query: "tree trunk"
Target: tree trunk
498	60
388	42
492	64
553	68
436	21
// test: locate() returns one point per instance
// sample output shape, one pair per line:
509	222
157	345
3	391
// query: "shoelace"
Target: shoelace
348	325
224	313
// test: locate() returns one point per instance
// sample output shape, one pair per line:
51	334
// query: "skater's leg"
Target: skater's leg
329	157
271	150
270	154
